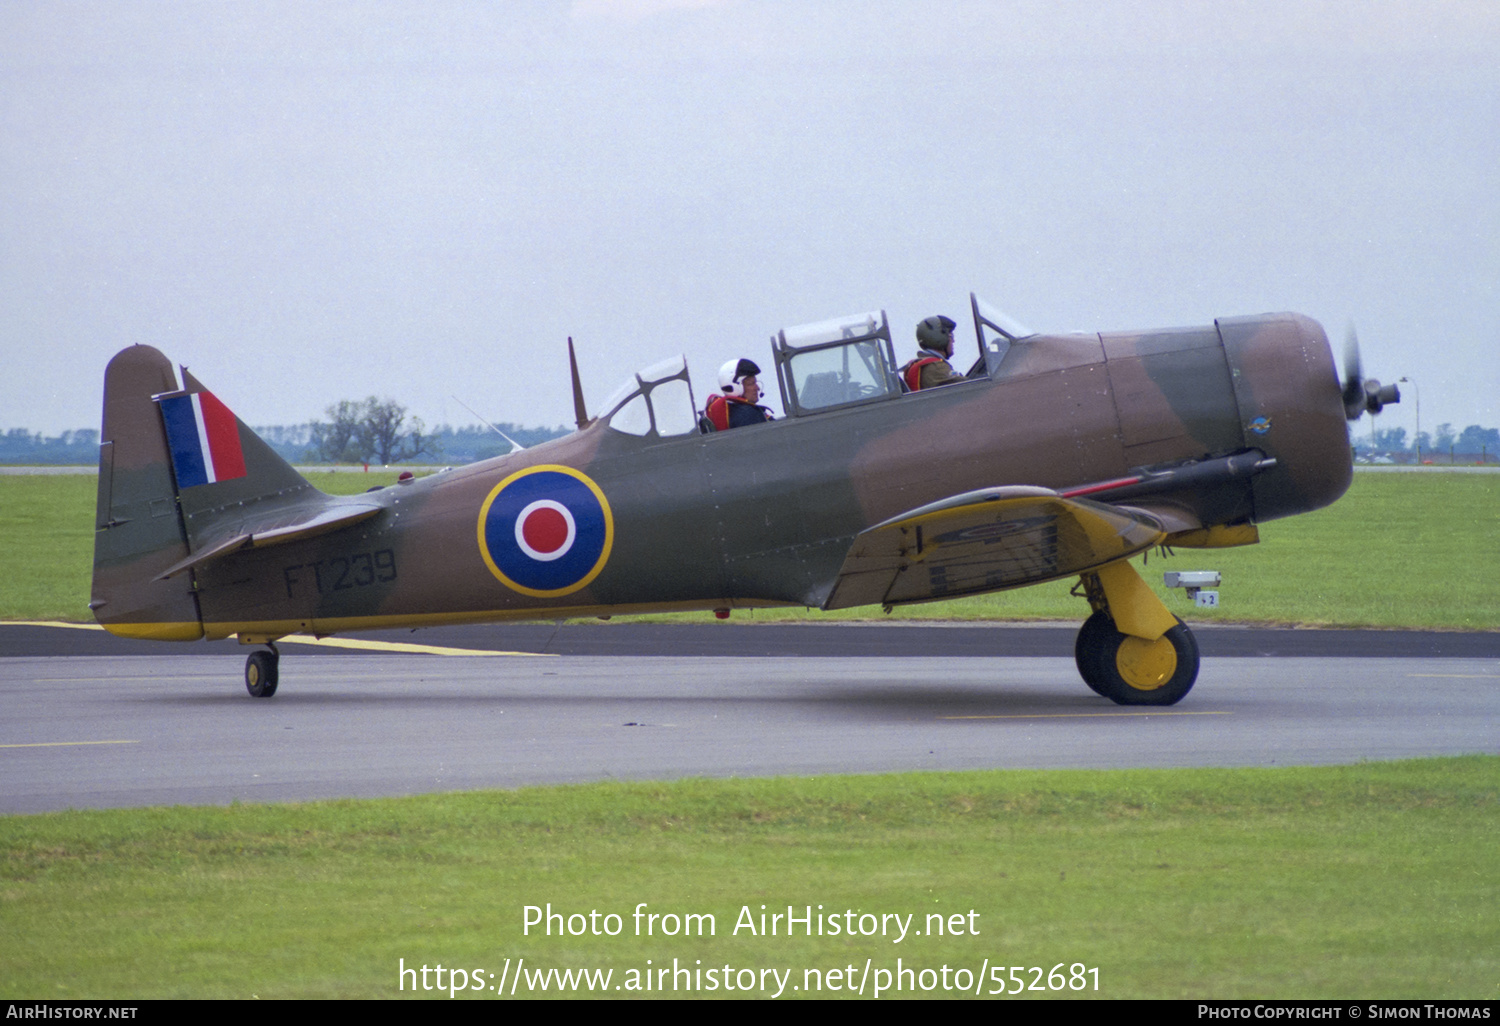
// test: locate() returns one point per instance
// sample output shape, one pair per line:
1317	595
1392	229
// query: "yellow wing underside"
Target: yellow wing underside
987	541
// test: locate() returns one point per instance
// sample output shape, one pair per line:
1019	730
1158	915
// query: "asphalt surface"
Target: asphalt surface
894	638
89	721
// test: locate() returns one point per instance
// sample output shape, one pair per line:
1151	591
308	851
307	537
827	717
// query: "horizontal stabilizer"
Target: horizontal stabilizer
984	541
276	528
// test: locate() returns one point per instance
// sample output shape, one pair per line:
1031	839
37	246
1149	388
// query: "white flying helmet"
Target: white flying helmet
733	374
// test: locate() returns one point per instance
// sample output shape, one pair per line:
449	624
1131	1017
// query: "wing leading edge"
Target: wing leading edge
987	540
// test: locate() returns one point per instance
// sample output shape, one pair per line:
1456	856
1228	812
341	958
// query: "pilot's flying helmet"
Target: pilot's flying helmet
733	374
936	333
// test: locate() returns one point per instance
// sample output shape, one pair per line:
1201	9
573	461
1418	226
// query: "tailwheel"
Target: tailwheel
1133	671
261	673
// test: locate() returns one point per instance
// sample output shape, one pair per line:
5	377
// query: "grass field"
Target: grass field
1399	550
1337	882
1369	881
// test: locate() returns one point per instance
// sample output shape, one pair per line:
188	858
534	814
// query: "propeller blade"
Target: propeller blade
1354	384
1361	395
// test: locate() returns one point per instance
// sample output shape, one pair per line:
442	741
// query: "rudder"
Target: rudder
138	531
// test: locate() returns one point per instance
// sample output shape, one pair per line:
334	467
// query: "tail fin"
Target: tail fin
178	475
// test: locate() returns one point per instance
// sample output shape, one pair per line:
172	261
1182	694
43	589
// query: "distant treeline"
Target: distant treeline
294	444
1444	442
21	446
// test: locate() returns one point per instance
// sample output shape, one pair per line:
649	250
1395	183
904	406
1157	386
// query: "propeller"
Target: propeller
1361	394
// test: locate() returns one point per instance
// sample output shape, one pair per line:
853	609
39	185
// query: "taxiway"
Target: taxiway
97	731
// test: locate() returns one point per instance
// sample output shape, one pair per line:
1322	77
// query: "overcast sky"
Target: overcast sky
307	202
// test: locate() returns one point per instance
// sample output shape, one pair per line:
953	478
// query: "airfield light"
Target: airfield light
1201	585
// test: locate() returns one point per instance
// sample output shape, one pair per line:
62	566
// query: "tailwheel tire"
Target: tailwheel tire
260	674
1133	671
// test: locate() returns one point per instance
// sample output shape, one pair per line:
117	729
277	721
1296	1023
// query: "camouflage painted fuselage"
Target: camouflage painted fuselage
755	516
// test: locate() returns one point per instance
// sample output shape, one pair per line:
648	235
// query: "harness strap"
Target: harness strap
717	412
913	371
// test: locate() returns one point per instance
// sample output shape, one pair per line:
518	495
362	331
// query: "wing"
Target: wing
985	541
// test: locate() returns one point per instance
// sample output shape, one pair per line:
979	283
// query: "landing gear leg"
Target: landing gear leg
261	672
1132	650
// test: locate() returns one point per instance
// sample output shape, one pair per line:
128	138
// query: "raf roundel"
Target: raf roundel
546	531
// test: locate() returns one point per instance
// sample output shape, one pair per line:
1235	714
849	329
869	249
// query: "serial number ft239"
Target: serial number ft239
340	573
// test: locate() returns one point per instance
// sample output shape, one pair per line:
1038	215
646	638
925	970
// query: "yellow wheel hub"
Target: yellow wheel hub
1146	665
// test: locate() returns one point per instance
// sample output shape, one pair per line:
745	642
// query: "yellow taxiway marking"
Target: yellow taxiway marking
1459	676
146	674
61	744
56	623
355	643
1080	716
400	646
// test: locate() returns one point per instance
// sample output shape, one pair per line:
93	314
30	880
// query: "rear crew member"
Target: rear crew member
735	406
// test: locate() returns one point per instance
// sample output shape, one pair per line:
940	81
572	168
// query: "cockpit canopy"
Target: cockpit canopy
658	400
847	361
995	331
831	365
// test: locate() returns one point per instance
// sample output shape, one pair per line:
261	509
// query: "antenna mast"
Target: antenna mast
580	413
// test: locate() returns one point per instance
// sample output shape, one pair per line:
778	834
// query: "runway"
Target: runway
97	731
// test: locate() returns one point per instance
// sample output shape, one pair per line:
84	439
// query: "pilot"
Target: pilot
735	406
931	367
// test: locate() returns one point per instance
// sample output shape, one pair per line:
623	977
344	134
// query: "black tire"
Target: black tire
1131	671
1091	637
260	674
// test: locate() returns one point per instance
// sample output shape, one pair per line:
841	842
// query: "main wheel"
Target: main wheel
260	674
1091	637
1133	671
